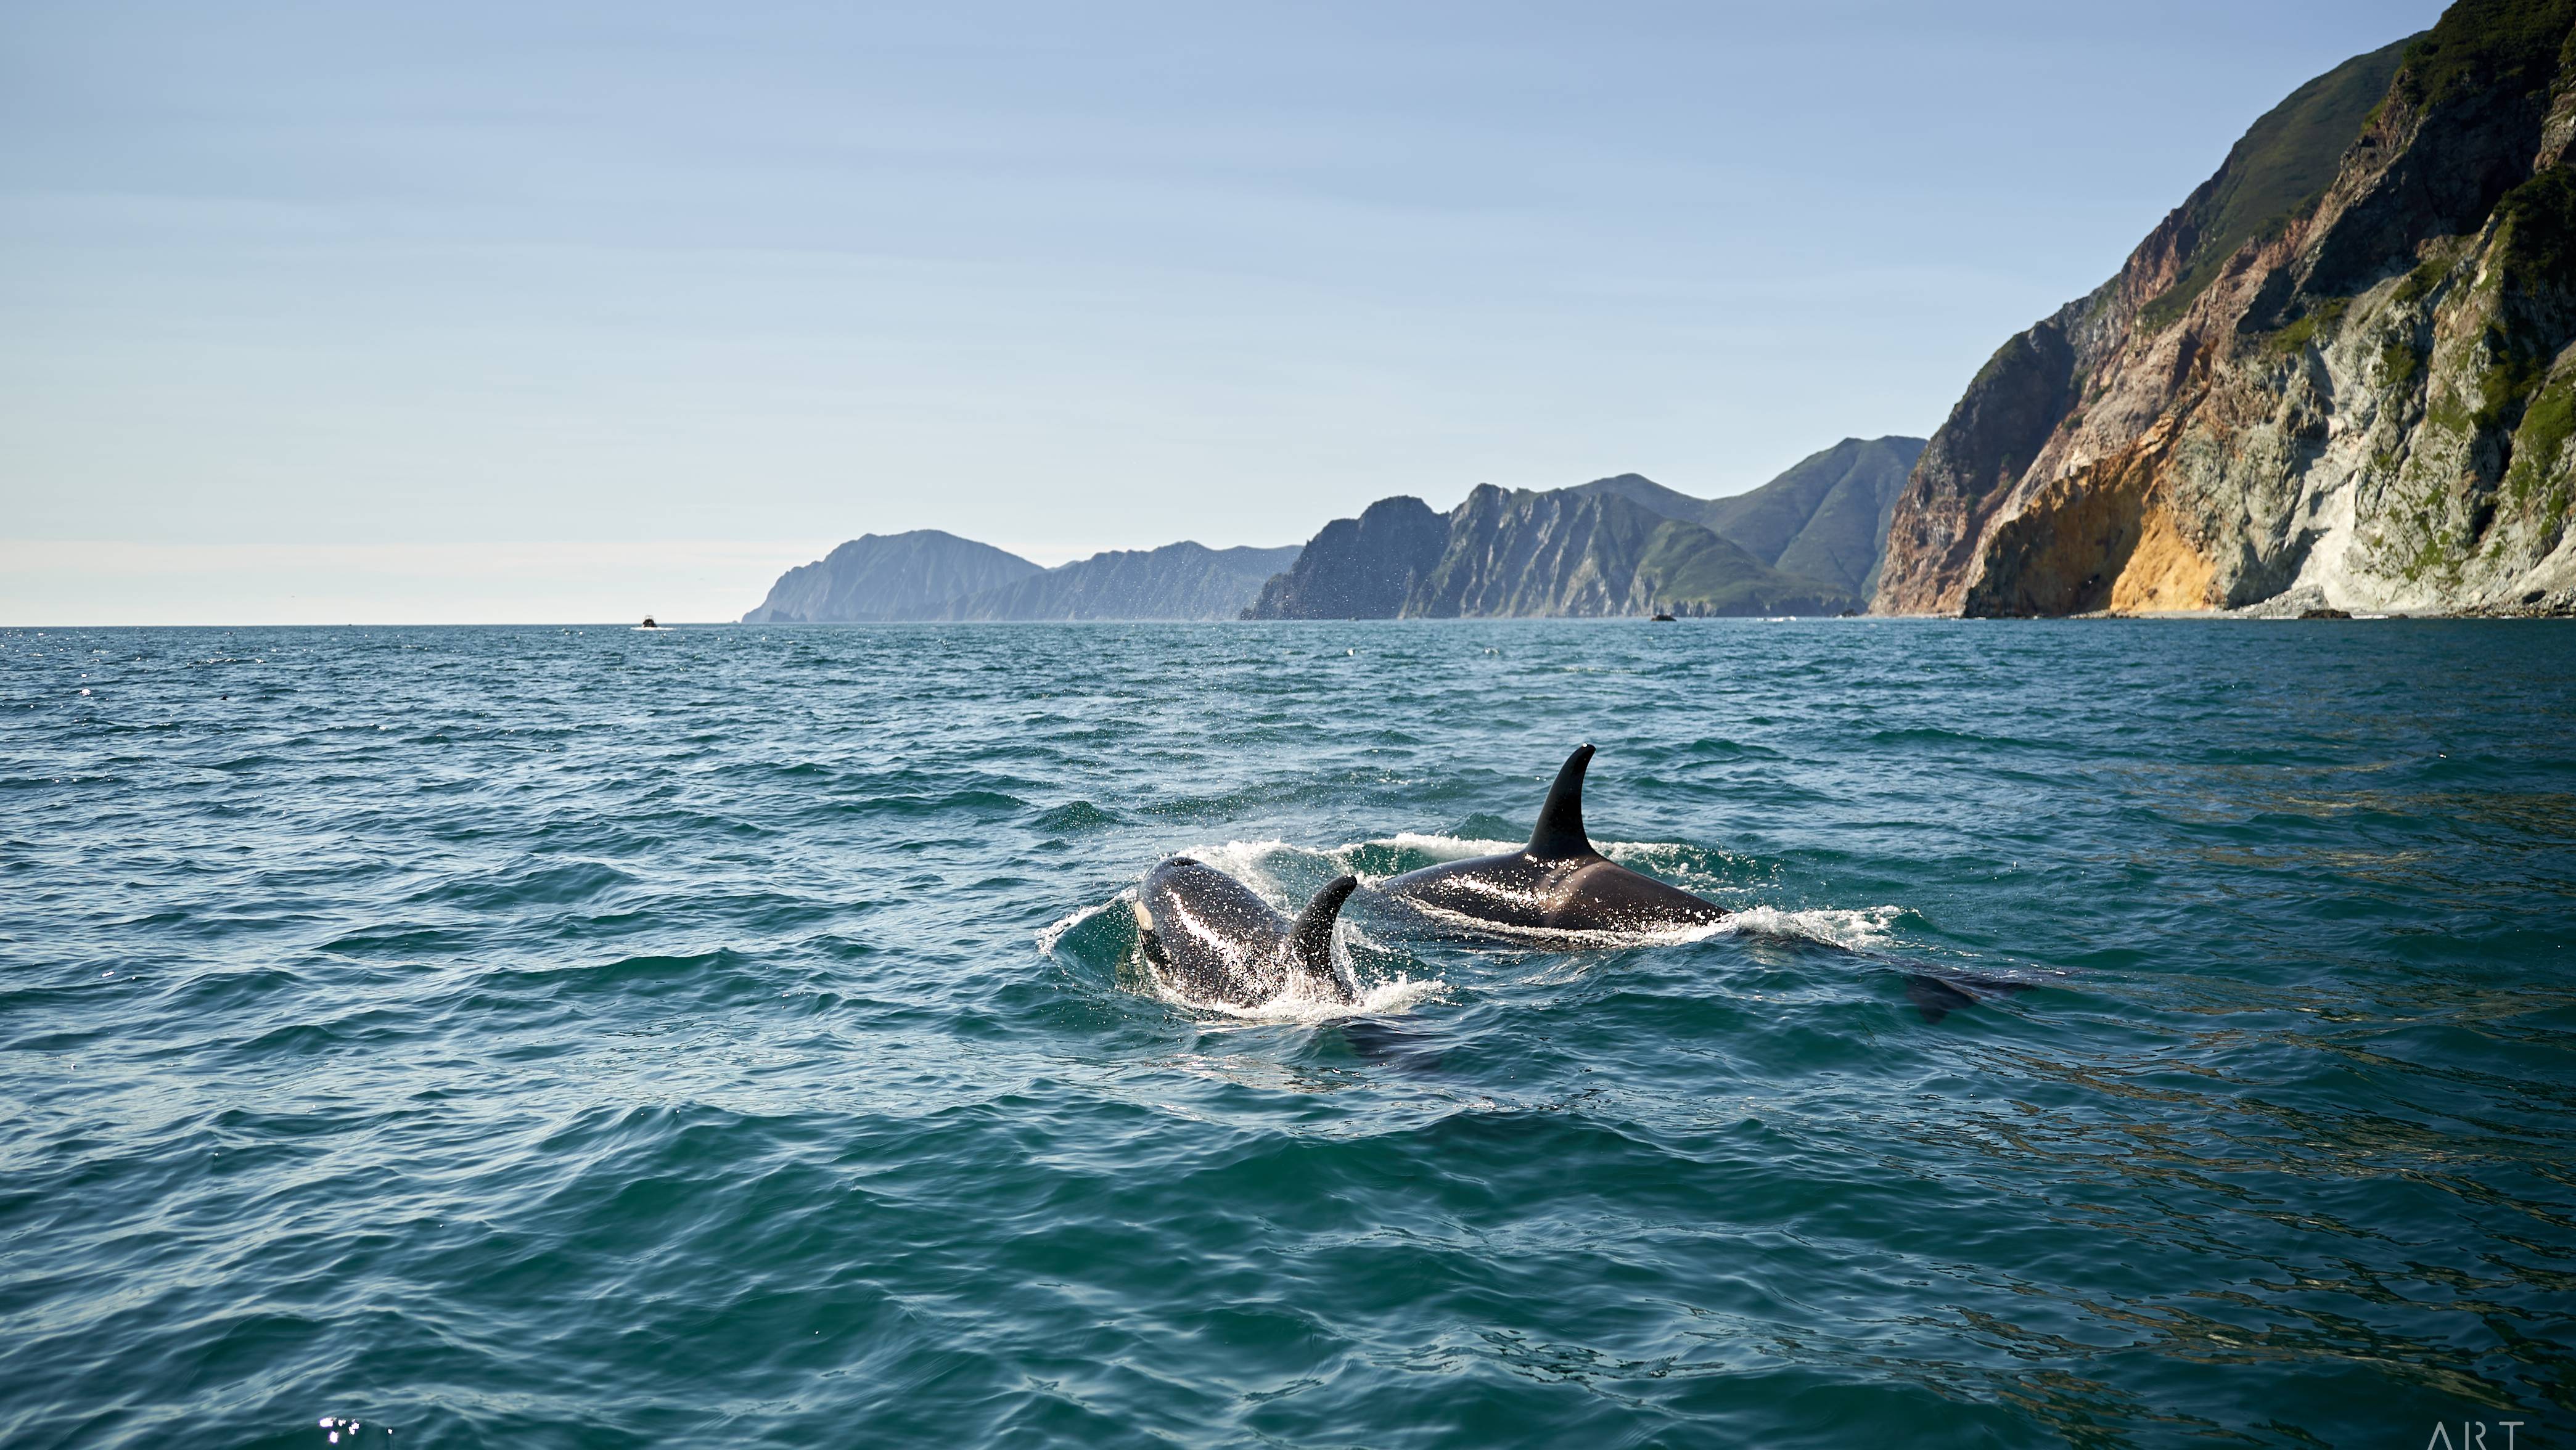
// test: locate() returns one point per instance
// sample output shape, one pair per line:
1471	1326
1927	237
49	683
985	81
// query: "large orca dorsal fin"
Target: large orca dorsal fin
1560	821
1310	941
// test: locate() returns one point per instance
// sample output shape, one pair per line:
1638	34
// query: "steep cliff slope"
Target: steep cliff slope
1825	518
2341	366
888	576
1829	512
1176	581
1574	551
1358	568
1571	552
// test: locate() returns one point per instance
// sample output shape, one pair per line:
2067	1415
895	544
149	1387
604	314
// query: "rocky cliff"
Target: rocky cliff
1360	568
1826	518
2342	366
888	576
1569	552
1177	581
1591	550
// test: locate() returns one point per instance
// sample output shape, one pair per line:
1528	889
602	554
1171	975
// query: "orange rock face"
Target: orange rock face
2336	367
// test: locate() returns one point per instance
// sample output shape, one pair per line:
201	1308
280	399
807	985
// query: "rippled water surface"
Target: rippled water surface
736	1036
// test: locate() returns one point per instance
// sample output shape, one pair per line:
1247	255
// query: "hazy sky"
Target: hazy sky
505	312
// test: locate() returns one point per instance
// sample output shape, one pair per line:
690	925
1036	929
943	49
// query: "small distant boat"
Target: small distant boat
648	623
1662	618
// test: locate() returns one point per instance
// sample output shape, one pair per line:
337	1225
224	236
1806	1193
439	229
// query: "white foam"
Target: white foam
1300	1005
1252	863
1440	848
1669	859
1855	930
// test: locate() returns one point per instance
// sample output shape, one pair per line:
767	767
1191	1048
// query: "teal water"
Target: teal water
734	1037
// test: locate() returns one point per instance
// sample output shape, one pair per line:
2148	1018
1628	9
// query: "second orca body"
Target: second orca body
1557	882
1213	941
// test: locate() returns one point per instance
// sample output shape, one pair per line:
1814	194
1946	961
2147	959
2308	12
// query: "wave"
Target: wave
1256	863
1053	934
1300	1007
1076	816
1439	848
1854	929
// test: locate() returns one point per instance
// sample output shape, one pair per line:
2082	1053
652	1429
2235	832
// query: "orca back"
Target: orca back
1557	881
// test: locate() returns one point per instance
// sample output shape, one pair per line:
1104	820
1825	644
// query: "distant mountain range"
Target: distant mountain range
1176	581
888	576
928	574
1808	542
2340	376
1824	519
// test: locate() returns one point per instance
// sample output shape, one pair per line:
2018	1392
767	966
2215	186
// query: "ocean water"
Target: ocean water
735	1036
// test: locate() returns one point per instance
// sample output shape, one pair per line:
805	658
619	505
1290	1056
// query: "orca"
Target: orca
1555	883
1214	942
1936	995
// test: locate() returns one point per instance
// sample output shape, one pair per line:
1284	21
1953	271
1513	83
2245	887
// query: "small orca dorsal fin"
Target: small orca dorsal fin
1310	941
1560	821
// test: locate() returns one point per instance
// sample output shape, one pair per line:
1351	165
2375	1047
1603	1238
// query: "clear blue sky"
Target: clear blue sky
485	311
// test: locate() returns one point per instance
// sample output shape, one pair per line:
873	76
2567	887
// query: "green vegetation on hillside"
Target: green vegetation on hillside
2533	273
2546	426
1824	520
2303	330
2514	46
2399	362
2419	284
2537	239
1687	567
2280	169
